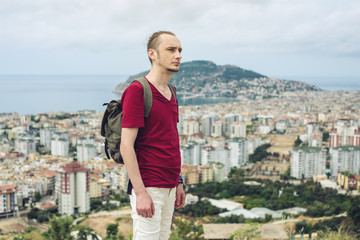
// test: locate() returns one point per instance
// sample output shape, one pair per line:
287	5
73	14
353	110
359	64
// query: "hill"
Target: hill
207	79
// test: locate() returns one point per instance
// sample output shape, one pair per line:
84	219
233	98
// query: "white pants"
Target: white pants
157	227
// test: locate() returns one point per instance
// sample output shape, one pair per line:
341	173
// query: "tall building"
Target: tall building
8	201
46	134
74	189
219	154
190	126
207	122
219	171
60	144
344	134
238	152
307	161
238	130
25	145
190	174
85	149
217	129
229	120
345	158
191	153
206	173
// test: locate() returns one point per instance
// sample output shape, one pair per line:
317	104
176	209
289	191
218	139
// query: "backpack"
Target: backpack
112	118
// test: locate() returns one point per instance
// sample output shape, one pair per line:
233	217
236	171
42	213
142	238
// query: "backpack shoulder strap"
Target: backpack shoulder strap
148	98
173	90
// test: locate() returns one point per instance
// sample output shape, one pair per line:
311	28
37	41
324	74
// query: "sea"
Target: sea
34	94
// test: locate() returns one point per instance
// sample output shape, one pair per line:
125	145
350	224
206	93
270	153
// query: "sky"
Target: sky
316	38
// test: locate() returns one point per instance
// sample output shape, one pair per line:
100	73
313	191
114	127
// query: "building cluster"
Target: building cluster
62	154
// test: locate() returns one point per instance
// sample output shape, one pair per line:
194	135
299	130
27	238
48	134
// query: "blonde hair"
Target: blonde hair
153	42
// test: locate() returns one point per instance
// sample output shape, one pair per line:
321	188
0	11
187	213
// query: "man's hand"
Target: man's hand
180	196
144	205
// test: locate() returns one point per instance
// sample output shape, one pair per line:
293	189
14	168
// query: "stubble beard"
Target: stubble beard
173	70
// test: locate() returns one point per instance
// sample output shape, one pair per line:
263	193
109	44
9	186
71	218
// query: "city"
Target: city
57	160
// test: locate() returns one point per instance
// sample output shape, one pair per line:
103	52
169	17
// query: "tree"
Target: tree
33	214
37	197
303	227
112	230
354	210
60	228
85	232
185	229
297	142
326	136
236	173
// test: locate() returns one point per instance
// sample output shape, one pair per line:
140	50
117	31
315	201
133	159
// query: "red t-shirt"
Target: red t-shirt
157	144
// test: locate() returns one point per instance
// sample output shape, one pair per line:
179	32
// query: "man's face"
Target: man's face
168	53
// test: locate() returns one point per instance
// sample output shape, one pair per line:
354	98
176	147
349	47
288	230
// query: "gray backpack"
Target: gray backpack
111	121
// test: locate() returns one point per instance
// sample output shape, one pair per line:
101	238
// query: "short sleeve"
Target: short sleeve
132	102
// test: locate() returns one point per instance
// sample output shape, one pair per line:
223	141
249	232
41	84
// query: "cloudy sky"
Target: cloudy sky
272	37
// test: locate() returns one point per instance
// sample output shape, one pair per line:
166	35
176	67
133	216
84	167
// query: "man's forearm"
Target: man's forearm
132	167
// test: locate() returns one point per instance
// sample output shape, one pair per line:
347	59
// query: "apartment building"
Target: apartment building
60	144
343	133
8	201
345	158
46	134
190	174
307	161
74	189
25	144
85	148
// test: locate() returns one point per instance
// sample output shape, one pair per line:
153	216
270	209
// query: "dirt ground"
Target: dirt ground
281	143
99	222
13	225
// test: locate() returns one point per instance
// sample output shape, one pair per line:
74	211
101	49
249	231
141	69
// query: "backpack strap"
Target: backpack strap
148	99
173	90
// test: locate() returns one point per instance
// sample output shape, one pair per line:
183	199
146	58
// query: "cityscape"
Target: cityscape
55	162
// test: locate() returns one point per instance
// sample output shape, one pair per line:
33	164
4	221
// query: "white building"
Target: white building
207	122
190	126
238	130
221	155
46	134
217	129
191	153
307	161
345	158
253	143
345	133
238	152
86	149
229	120
25	145
219	171
60	144
8	201
74	189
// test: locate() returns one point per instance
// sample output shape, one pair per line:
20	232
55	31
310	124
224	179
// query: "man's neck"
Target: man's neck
159	77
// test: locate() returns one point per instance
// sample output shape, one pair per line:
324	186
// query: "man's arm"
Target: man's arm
180	196
144	204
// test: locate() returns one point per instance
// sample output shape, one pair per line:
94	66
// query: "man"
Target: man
150	146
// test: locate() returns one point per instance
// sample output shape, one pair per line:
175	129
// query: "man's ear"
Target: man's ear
152	54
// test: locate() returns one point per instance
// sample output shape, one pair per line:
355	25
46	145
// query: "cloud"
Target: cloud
214	29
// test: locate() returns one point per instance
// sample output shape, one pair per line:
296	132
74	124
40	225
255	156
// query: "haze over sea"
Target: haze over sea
32	94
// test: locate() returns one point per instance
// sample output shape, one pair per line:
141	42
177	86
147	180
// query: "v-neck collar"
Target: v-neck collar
169	100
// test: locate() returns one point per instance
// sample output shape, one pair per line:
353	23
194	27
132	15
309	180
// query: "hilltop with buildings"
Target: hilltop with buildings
309	135
206	79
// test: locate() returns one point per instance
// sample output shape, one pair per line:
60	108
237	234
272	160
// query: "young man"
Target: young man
150	146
